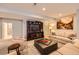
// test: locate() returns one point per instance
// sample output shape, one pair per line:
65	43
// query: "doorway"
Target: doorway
6	30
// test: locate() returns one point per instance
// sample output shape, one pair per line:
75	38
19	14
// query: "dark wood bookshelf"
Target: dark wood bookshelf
34	30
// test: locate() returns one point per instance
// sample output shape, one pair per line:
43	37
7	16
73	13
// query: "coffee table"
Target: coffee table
46	49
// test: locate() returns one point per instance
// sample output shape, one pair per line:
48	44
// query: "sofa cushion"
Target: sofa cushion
62	39
69	49
76	44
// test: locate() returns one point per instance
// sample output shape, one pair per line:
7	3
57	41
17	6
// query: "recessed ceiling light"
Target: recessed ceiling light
60	15
43	9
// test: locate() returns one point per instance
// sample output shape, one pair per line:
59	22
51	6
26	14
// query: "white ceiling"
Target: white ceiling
52	9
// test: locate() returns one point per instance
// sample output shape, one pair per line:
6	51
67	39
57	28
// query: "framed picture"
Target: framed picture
65	23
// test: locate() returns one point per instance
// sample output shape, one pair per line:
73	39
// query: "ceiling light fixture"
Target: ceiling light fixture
60	15
43	9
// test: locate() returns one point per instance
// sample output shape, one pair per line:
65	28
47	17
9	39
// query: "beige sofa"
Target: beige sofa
62	39
69	49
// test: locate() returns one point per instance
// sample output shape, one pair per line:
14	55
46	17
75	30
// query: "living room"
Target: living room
23	23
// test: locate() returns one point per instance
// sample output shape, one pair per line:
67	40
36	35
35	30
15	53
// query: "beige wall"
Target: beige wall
62	32
47	25
65	32
0	29
77	23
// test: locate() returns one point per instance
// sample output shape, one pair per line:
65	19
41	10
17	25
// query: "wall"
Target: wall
0	29
46	28
24	29
61	32
65	32
77	23
47	25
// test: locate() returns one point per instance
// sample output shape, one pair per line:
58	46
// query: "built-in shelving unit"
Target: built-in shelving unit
34	30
